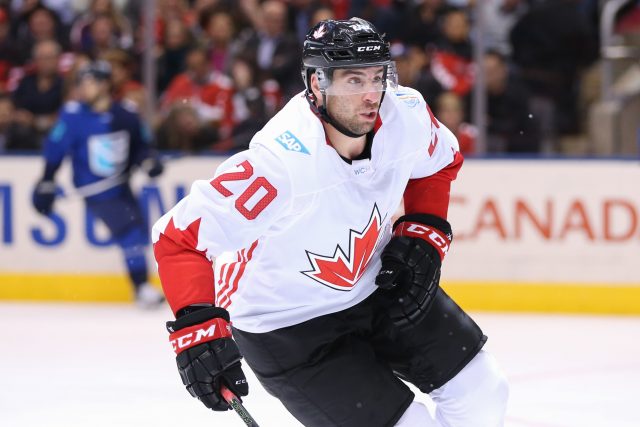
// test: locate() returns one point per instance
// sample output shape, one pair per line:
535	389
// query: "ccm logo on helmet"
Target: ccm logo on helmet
368	48
188	339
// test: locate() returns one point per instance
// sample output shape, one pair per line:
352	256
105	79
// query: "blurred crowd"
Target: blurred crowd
225	67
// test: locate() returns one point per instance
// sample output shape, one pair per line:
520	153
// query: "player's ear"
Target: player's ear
315	88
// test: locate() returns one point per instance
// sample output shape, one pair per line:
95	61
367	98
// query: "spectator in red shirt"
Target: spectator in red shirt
451	64
208	92
9	52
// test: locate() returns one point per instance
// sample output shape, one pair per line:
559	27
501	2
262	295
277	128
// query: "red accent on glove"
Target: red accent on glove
433	236
193	335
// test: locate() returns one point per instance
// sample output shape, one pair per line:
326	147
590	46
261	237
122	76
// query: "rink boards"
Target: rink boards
529	235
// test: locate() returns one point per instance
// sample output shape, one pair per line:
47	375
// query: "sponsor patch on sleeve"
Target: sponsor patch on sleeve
291	143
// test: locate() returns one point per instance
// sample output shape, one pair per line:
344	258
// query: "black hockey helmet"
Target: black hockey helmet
351	43
343	44
99	70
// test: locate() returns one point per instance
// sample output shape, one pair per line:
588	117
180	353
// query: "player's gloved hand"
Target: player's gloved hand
207	356
153	167
411	262
43	196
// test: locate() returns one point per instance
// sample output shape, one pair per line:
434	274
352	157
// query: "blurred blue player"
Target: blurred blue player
105	140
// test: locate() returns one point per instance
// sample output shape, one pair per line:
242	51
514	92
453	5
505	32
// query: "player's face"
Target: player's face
358	92
90	89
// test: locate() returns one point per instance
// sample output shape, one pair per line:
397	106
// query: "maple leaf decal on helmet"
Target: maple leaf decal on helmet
343	269
319	32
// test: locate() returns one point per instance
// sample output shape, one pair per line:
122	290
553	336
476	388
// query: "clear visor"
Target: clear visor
358	80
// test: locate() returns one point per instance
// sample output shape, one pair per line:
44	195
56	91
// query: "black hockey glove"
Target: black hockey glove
153	167
207	356
43	196
411	262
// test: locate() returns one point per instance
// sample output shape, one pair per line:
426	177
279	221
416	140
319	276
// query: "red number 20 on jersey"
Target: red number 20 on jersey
255	185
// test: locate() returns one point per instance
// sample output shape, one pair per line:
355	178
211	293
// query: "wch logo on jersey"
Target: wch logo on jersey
342	270
291	143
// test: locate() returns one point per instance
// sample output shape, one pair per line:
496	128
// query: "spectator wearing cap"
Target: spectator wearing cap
40	95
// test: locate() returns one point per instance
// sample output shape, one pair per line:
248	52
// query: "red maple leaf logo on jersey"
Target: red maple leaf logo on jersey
342	270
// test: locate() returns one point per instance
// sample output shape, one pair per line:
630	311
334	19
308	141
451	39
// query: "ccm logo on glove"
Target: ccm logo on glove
436	237
188	337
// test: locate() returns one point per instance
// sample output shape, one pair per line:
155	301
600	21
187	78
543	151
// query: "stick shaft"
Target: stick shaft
235	403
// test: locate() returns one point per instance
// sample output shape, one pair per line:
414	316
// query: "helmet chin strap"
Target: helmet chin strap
324	115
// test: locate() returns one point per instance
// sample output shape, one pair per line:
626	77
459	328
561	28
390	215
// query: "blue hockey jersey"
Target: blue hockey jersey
102	145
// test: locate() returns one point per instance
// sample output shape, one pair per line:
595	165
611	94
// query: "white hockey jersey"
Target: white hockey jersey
295	230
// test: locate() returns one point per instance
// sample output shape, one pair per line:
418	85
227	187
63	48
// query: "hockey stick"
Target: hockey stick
97	187
234	402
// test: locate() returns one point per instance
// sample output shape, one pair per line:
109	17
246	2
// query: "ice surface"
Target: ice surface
67	365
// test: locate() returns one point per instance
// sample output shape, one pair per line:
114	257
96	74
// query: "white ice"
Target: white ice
67	365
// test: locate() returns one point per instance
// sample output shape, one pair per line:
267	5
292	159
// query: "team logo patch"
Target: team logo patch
409	99
291	143
342	270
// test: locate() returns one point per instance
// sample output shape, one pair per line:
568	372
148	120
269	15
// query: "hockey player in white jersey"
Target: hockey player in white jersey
332	304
